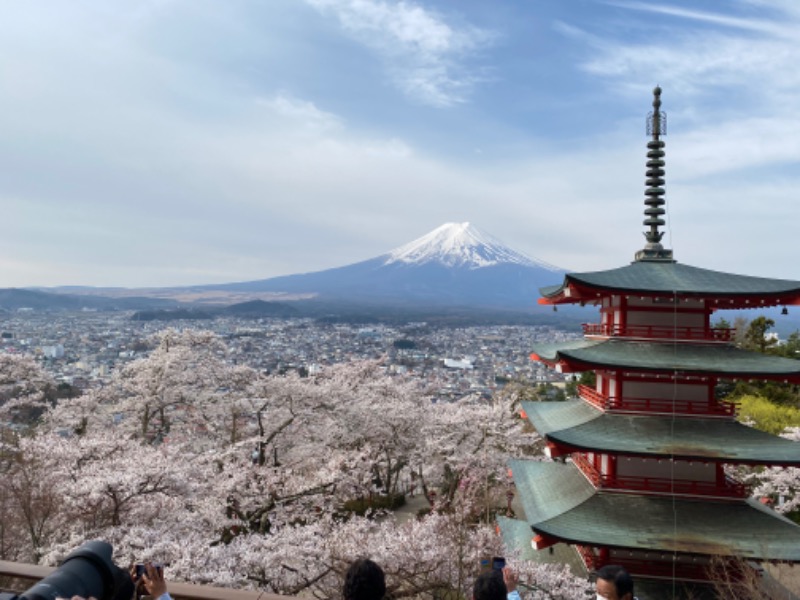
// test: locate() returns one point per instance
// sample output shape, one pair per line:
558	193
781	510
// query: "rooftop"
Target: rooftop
673	278
561	503
580	355
577	424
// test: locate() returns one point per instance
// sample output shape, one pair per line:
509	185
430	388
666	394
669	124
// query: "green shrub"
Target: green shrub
767	416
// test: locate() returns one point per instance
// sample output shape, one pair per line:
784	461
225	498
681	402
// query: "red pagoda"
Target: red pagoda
638	476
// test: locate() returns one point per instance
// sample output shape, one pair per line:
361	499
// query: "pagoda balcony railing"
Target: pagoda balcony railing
643	567
700	334
659	485
656	405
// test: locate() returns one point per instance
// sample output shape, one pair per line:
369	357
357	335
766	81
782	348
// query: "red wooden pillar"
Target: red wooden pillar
602	559
712	402
720	472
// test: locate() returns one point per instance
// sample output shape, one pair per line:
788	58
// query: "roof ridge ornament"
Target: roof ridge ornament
654	193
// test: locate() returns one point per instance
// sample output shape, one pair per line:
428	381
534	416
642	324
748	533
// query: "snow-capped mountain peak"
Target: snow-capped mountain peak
460	245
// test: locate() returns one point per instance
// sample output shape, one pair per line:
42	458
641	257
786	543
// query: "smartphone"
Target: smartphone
498	563
140	569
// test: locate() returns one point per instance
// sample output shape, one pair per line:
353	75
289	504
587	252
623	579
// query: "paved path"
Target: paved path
410	508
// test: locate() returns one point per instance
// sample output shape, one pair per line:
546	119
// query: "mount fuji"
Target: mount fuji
453	265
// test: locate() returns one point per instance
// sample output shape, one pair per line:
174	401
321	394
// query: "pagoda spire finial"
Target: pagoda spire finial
654	193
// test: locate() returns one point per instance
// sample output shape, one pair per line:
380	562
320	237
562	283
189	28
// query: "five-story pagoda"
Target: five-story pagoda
638	477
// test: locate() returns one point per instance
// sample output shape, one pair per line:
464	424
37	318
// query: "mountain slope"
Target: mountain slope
456	264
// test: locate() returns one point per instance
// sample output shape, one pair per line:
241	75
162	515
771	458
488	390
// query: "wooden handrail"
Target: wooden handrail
30	574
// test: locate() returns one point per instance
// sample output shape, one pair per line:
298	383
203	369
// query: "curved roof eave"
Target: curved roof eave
659	277
717	359
564	508
576	424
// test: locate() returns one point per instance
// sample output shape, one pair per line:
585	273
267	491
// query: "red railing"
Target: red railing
592	396
659	485
658	405
713	334
645	567
664	568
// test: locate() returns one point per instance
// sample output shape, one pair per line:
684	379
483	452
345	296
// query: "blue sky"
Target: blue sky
172	142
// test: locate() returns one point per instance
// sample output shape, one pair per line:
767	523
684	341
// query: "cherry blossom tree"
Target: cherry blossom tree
781	485
24	387
240	479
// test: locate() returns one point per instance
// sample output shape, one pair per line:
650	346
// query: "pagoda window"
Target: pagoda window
666	469
696	392
670	320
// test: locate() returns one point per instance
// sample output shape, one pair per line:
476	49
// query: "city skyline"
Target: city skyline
177	143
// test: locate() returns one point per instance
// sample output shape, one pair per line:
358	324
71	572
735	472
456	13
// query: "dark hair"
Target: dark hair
619	577
490	586
364	580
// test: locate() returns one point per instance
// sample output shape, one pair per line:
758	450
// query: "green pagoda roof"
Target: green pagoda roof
669	278
577	424
563	507
667	356
517	536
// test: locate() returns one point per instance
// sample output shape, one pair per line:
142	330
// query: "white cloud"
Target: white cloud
731	85
694	59
425	54
137	152
751	24
302	112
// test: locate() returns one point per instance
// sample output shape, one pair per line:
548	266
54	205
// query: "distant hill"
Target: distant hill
174	314
256	309
13	299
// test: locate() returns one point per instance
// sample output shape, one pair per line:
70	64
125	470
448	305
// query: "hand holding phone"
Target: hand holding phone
150	576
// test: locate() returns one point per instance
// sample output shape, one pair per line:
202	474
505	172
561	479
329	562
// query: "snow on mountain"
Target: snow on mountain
460	245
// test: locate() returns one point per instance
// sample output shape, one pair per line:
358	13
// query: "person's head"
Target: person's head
364	580
613	583
489	586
